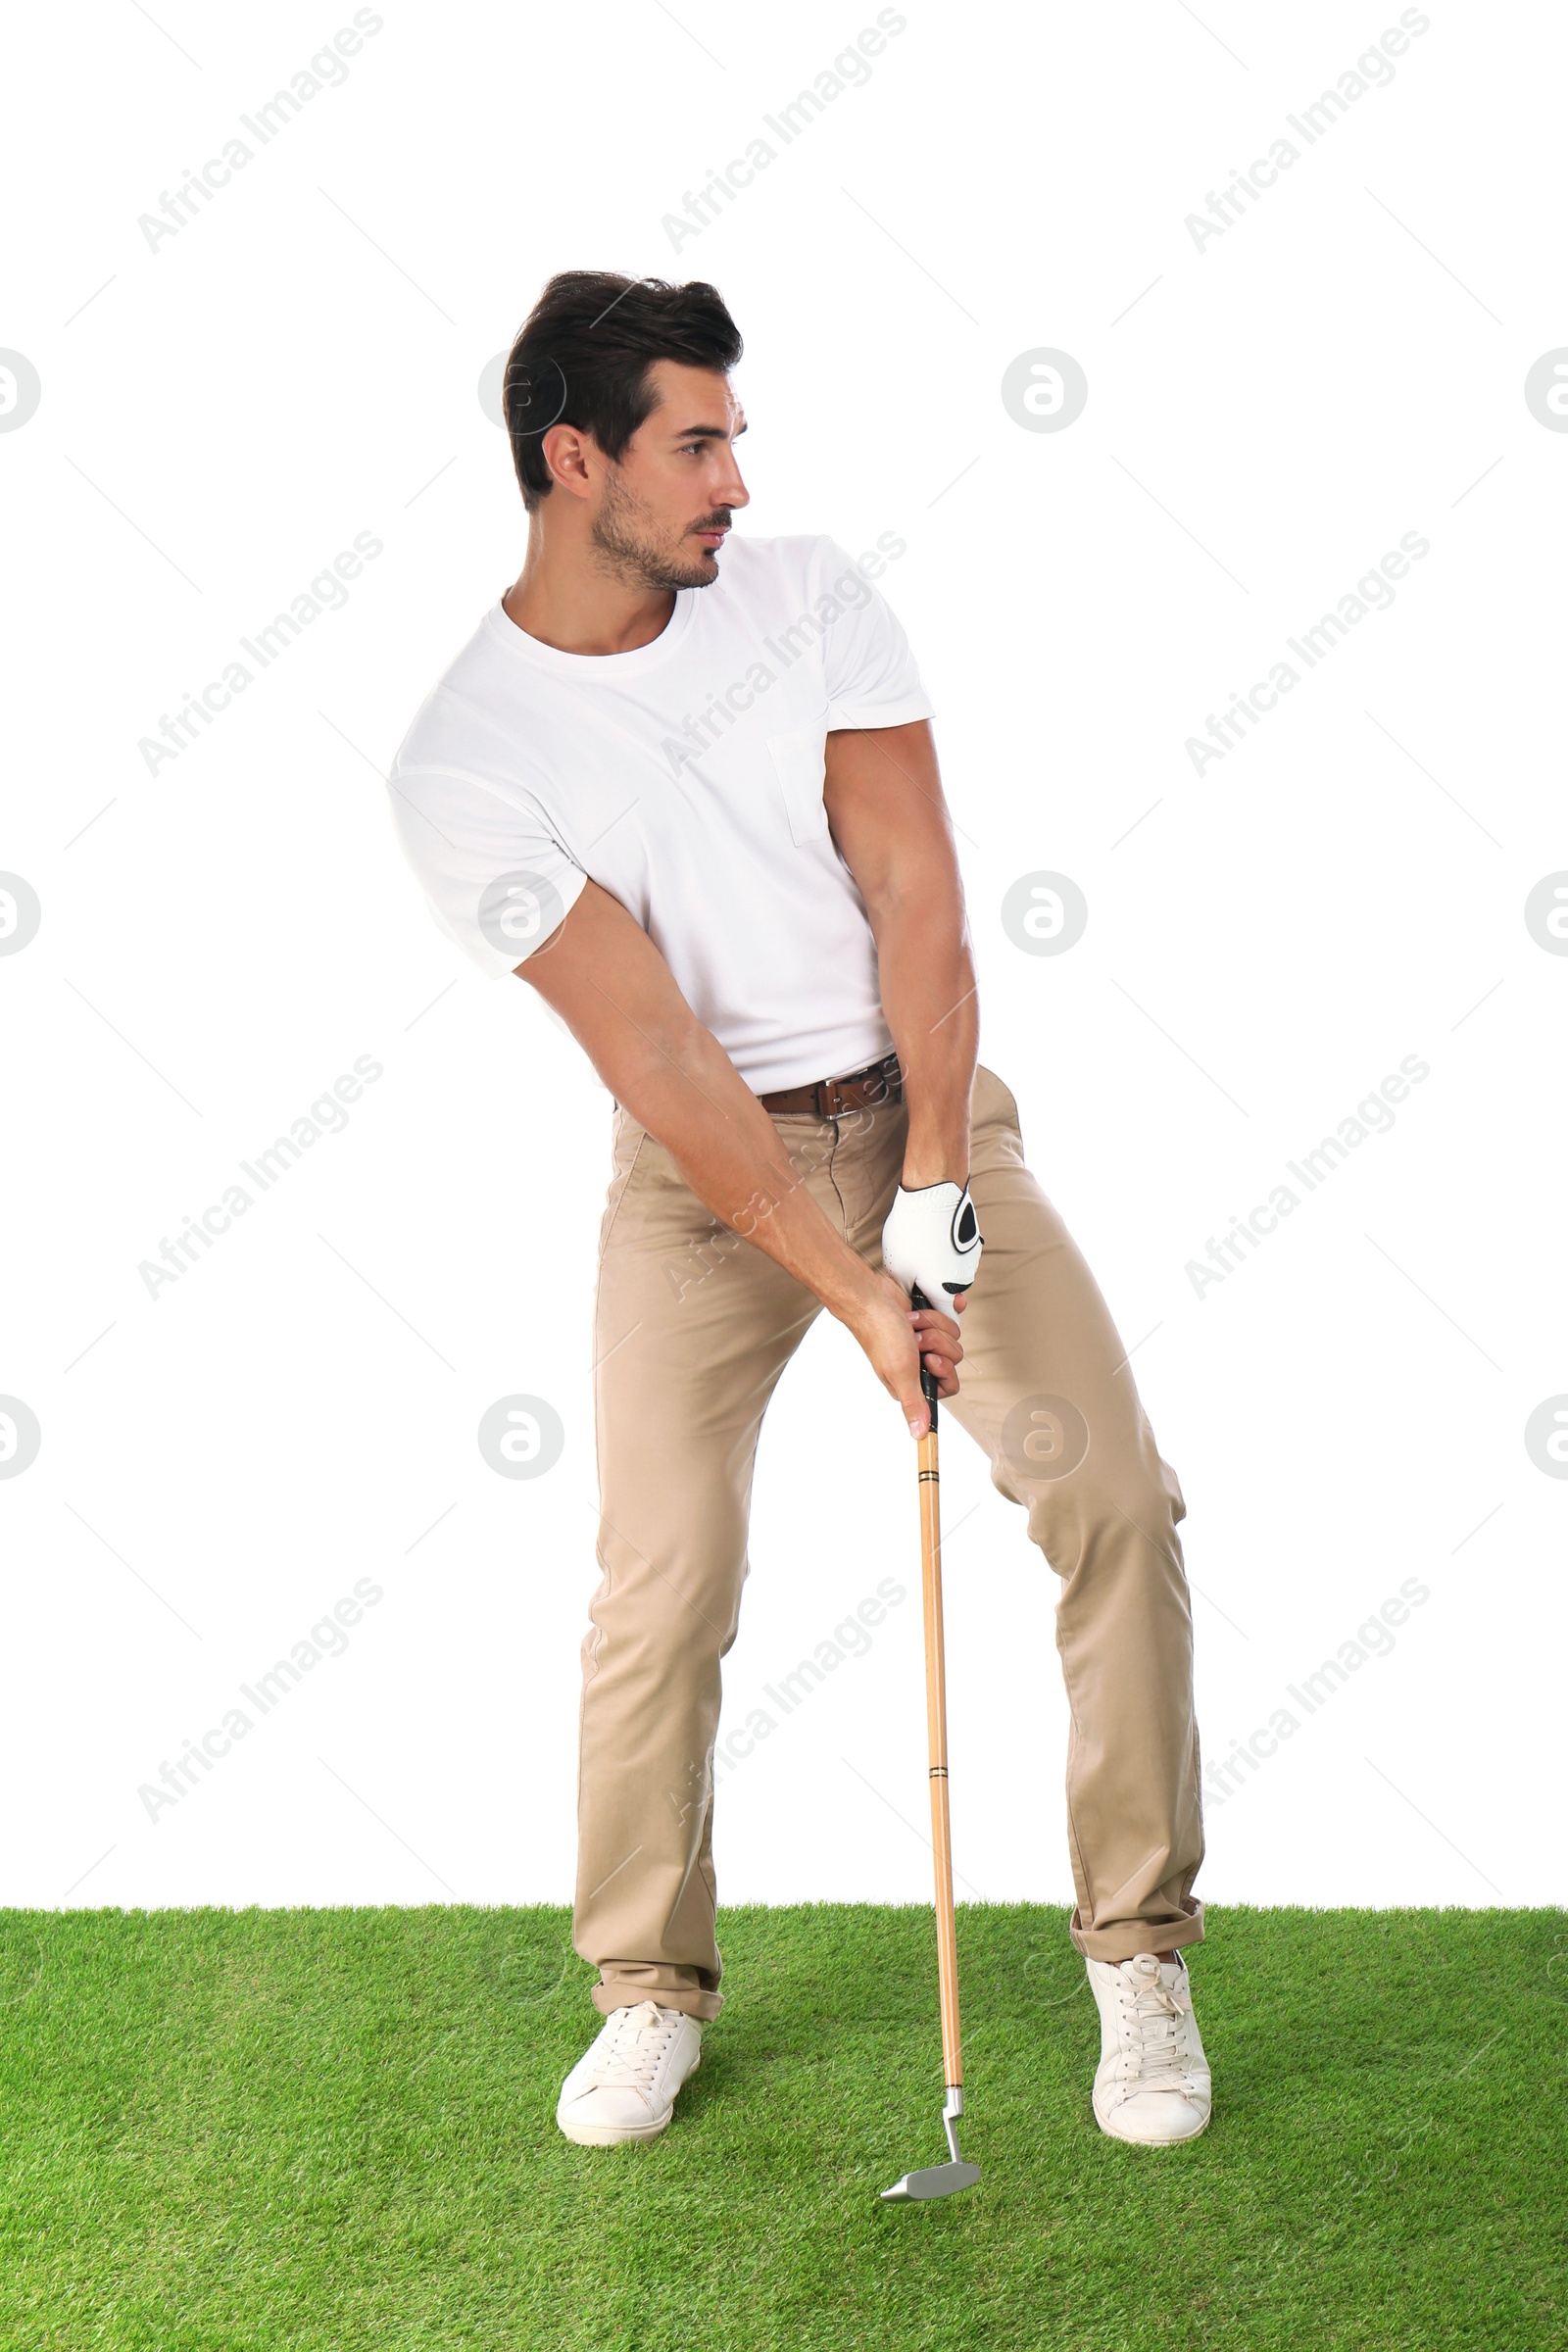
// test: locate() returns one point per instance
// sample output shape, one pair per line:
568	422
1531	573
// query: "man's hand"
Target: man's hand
931	1240
898	1338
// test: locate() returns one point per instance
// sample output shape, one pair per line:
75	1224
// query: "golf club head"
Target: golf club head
937	2181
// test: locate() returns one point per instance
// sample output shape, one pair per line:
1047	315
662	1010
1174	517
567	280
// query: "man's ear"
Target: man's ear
566	450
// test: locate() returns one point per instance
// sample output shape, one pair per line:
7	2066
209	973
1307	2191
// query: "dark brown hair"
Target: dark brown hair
583	357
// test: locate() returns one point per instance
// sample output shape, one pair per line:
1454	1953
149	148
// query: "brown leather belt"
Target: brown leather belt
881	1082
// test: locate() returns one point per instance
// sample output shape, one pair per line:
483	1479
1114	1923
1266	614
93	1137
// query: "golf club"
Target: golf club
938	2179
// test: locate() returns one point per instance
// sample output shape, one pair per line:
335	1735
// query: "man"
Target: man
692	798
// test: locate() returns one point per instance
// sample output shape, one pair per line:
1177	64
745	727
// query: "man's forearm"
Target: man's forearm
726	1147
928	994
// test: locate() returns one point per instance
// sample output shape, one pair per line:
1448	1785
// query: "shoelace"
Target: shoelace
632	2056
1151	2035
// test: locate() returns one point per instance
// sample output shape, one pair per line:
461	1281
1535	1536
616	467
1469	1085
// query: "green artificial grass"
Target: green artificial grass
331	2130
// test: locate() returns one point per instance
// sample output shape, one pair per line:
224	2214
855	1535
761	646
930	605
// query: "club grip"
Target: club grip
928	1379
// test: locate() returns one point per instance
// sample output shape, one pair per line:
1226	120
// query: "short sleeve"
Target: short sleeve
873	680
495	880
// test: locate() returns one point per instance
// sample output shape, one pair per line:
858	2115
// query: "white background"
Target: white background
219	940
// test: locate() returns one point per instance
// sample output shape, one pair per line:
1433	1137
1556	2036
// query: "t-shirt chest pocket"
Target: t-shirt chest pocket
800	762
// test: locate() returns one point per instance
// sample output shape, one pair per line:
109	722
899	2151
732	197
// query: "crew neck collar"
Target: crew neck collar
589	666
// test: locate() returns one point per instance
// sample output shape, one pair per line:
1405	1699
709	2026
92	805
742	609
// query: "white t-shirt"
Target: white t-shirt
686	778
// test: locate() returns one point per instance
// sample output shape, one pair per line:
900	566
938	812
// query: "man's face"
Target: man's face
665	509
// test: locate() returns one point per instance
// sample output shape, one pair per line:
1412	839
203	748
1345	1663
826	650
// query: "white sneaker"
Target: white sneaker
625	2084
1153	2086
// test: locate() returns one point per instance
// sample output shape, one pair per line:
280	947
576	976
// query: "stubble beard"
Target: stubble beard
627	549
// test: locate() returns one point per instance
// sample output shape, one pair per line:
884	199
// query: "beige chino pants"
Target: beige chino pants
685	1367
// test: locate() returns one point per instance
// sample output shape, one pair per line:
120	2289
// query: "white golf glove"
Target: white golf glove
931	1240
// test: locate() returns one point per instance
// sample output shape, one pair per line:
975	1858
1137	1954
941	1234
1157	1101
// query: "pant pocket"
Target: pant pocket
992	1104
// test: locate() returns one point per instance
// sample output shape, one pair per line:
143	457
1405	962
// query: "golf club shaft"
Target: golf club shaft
936	1701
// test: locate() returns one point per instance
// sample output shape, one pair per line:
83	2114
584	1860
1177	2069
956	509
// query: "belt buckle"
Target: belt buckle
836	1108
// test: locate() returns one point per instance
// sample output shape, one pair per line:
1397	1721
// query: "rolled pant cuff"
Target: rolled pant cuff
624	1992
1129	1937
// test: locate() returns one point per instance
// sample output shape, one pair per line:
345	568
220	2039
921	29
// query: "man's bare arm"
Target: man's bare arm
888	816
603	974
